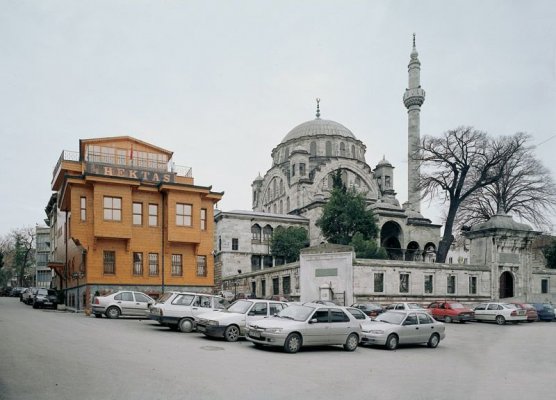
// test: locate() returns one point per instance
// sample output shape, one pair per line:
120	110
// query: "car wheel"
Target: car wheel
113	312
292	343
392	342
186	325
35	306
98	315
351	342
231	334
433	341
447	319
500	320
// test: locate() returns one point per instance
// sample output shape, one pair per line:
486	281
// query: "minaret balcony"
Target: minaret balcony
414	97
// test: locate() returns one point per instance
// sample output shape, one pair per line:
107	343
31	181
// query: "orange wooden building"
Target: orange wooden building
123	216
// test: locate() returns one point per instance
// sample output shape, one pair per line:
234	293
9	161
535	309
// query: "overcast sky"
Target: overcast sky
221	83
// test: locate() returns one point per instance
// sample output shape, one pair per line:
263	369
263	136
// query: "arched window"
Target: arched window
342	149
274	187
313	149
329	148
275	208
286	154
353	151
282	188
281	207
288	205
267	233
256	233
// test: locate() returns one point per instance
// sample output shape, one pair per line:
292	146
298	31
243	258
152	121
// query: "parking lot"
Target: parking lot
59	355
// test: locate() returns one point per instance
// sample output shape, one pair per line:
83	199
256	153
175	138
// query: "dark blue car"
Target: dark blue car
545	311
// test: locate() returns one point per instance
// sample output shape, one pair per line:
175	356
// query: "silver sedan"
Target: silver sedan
307	325
403	327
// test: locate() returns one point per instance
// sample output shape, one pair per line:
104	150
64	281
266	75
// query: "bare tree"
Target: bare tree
458	164
18	249
525	189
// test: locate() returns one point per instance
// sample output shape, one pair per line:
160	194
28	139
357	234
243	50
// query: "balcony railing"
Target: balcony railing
112	160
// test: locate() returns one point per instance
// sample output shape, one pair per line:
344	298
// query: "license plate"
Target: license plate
255	334
201	328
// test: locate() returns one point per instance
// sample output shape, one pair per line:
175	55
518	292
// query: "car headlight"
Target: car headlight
213	323
273	330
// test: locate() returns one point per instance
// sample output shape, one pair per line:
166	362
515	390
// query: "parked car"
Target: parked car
545	311
405	306
449	311
323	302
6	291
277	297
309	324
227	295
124	302
28	294
179	310
359	314
499	313
530	311
393	328
231	322
45	298
17	291
371	309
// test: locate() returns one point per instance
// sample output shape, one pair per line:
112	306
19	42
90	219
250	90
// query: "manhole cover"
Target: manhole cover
212	348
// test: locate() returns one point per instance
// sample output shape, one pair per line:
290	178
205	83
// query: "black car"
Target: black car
371	309
45	298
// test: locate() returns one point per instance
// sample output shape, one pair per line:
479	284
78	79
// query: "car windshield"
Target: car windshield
42	291
295	312
414	306
456	305
240	306
391	318
164	297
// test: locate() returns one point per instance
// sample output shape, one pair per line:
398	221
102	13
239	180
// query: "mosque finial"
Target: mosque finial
413	39
318	108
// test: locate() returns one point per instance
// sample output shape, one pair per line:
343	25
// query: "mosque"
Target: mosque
498	260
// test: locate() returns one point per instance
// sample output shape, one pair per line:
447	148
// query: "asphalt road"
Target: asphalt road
48	354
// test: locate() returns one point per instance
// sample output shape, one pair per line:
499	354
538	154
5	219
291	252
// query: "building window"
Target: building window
302	169
279	260
137	263
328	149
544	286
203	219
451	284
109	259
275	286
404	283
255	263
313	149
177	266
235	244
112	208
256	233
153	214
201	266
449	260
472	285
183	214
267	233
267	261
428	284
263	288
83	205
153	264
379	282
286	285
137	213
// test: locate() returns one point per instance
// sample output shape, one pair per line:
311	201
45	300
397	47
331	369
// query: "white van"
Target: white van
178	310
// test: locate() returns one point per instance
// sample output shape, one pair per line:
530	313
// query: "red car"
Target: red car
449	311
530	311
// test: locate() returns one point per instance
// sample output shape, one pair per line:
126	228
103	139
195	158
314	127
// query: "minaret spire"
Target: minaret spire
413	99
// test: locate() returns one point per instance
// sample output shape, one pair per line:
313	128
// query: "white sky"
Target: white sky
220	83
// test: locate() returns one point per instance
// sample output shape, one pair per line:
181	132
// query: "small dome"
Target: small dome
384	163
258	178
318	127
501	221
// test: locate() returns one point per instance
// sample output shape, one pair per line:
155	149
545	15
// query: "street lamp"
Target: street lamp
77	275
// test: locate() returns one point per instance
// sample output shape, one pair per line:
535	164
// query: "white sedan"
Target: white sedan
403	327
122	303
499	313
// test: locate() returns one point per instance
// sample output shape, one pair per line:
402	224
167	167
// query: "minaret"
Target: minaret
413	98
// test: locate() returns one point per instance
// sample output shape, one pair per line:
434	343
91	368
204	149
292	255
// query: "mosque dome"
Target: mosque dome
318	127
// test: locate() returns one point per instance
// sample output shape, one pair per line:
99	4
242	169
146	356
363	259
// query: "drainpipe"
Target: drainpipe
66	259
162	237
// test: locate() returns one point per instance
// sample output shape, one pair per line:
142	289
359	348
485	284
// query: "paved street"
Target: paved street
58	355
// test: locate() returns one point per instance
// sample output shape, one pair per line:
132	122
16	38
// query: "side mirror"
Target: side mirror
251	313
313	321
